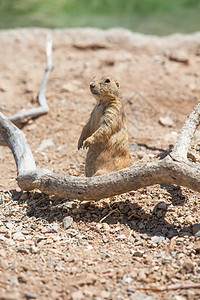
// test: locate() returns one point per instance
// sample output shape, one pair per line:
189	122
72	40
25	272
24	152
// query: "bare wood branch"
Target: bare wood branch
43	106
186	134
95	188
16	141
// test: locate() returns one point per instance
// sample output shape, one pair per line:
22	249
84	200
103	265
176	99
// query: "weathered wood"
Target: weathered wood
16	141
43	107
186	134
95	188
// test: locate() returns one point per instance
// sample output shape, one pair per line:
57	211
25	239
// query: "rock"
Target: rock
30	243
29	295
177	297
22	278
24	197
196	229
121	237
141	296
105	226
59	267
187	266
197	234
157	239
34	249
196	246
179	55
189	219
130	290
25	232
69	204
89	247
46	143
18	236
78	210
67	221
99	226
78	295
127	279
51	264
159	214
131	240
54	228
140	154
166	121
22	250
133	147
141	226
162	205
138	253
9	225
141	276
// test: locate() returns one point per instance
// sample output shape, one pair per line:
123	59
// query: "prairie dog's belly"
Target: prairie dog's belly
96	117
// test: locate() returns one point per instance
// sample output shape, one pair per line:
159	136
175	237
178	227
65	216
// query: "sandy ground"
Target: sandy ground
60	249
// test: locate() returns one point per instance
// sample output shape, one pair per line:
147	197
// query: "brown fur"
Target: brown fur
105	133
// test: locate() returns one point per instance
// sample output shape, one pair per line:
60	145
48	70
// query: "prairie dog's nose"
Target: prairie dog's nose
92	84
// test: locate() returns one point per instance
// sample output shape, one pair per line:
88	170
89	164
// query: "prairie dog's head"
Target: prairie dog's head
104	88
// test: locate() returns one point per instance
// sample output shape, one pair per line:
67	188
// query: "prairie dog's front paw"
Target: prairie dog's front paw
87	143
80	143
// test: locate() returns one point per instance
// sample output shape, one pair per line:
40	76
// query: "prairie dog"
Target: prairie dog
105	133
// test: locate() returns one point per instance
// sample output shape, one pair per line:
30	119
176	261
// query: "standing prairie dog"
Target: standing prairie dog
105	133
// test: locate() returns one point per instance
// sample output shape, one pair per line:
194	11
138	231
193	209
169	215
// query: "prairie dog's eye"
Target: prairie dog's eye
107	80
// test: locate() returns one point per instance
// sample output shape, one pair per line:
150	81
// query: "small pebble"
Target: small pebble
67	221
78	295
121	237
22	250
157	239
196	229
18	236
29	295
166	121
138	253
162	205
130	290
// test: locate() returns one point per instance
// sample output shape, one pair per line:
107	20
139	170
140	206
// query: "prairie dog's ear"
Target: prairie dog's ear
117	83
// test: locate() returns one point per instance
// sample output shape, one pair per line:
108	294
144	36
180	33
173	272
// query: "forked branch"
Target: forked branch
168	170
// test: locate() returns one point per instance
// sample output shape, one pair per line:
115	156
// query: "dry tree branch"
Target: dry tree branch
43	106
186	135
16	141
174	168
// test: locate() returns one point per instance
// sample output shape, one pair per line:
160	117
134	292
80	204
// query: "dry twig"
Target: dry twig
42	102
